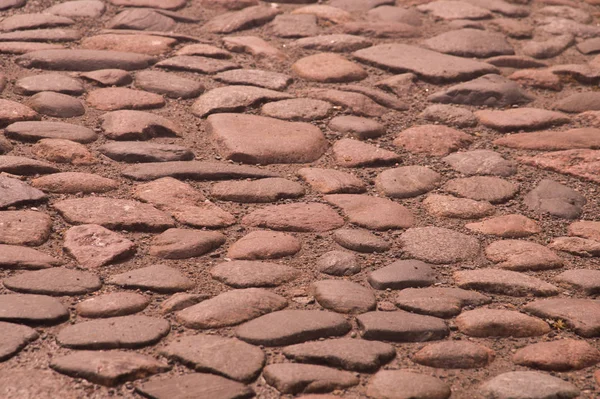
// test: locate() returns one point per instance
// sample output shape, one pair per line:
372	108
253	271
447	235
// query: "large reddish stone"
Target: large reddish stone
289	378
16	257
580	163
56	281
157	278
439	301
372	212
522	255
303	217
435	140
504	282
562	355
24	227
74	182
439	245
354	153
84	60
94	246
454	355
553	140
195	385
500	323
14	338
401	326
582	315
11	112
470	43
521	119
264	245
115	98
328	68
509	226
32	309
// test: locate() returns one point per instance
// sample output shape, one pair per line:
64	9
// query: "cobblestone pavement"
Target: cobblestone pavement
347	198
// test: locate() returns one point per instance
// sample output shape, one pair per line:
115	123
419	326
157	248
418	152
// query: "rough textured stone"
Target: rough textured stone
581	279
22	166
541	79
483	188
357	103
263	190
24	227
522	255
297	109
63	151
264	245
112	305
353	153
32	309
246	18
338	263
234	98
343	296
195	170
372	212
504	282
398	384
508	226
402	274
331	181
549	48
407	181
439	245
360	241
528	384
576	246
361	128
14	338
302	217
470	43
195	385
157	278
481	162
436	140
168	84
449	115
439	301
84	60
37	130
136	125
39	384
246	274
521	119
115	98
184	244
562	355
500	323
204	50
586	229
57	281
78	9
401	326
48	82
74	182
328	68
12	112
17	257
451	10
197	64
94	246
461	208
579	314
296	378
454	355
556	199
579	163
255	77
552	140
141	19
56	104
579	102
143	44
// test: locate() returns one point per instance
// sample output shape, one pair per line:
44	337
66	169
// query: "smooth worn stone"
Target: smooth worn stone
349	354
168	84
11	112
454	355
37	130
401	326
584	280
579	102
483	188
521	255
115	98
26	47
461	208
156	278
112	305
500	323
586	229
381	29
426	64
246	274
184	244
32	309
304	378
407	181
56	104
439	301
402	274
354	153
134	152
197	64
297	109
57	281
515	61
234	98
590	46
481	162
33	21
63	151
195	385
528	385
507	226
360	241
195	170
372	212
204	50
449	115
253	45
556	199
160	4
78	9
181	300
301	217
580	163
137	125
541	79
293	26
287	327
48	82
562	355
549	48
331	181
113	333
579	314
143	44
334	43
261	244
84	60
42	35
15	192
141	19
262	190
114	214
389	13
470	43
513	28
552	140
404	384
94	246
576	246
343	296
246	18
361	128
491	90
228	357
325	12
400	85
14	338
521	119
380	97
74	182
435	140
338	263
451	10
357	103
24	227
108	368
255	77
168	193
231	308
328	68
504	282
17	257
23	166
438	245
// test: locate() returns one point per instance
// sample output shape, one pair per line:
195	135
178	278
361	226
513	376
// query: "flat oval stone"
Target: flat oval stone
288	327
349	354
134	152
439	245
528	384
552	140
33	21
264	245
197	64
57	281
293	378
343	296
141	19
108	77
331	181
401	326
500	323
113	333
15	192
402	274
137	125
42	35
39	384
11	112
461	208
204	50
246	18
576	246
580	163
84	60
231	308
584	280
451	10
195	170
439	301
168	84
49	82
521	119
32	309
406	384
114	214
561	355
301	217
360	241
507	226
143	44
556	199
112	305
335	43
74	182
246	274
94	246
24	227
356	103
372	212
503	282
407	181
449	115
26	47
235	98
454	355
522	255
14	338
434	140
353	153
338	263
579	314
263	190
63	151
184	244
483	188
470	43
586	229
108	368
257	139
361	128
78	9
328	68
34	131
16	257
297	109
56	104
157	278
195	385
115	98
228	357
255	77
481	162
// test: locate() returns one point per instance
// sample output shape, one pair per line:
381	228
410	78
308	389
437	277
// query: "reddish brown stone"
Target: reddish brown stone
563	355
372	212
301	217
434	140
353	153
264	245
454	355
500	323
579	163
508	226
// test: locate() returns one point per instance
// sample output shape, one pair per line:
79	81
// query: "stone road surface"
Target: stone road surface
227	199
